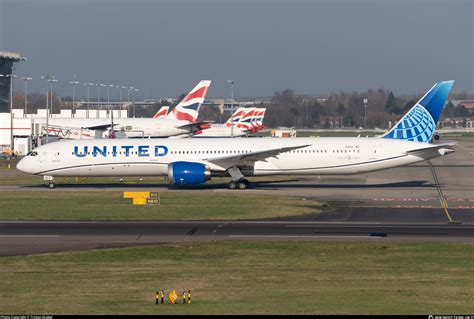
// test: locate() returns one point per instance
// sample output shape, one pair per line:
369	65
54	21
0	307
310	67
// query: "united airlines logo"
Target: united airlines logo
417	125
123	150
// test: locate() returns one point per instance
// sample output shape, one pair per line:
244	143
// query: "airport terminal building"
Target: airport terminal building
8	131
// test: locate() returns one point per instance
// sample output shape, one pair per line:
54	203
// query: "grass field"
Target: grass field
234	277
175	205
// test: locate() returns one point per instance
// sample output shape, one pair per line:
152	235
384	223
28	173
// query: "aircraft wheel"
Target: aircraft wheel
232	185
243	184
52	185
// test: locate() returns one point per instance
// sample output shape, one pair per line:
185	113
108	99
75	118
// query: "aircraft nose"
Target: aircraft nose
23	166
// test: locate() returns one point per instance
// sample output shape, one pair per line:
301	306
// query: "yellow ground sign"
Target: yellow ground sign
136	194
143	198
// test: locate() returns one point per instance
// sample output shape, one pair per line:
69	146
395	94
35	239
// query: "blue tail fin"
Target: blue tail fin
420	122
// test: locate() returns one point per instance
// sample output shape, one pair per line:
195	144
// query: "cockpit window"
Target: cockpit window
33	153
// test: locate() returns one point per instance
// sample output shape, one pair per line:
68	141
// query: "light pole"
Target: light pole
50	80
98	98
73	94
108	97
134	99
122	87
130	88
231	82
88	100
366	101
26	79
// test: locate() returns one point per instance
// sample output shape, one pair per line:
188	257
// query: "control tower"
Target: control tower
6	65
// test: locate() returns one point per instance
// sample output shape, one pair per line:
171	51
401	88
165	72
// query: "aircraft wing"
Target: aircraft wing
433	150
196	126
246	159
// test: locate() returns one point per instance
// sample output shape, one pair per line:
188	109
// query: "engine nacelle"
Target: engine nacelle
188	173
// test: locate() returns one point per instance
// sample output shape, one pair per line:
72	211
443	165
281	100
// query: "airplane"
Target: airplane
195	161
245	121
182	120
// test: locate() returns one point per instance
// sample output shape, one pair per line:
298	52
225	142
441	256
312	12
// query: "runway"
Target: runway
412	203
23	238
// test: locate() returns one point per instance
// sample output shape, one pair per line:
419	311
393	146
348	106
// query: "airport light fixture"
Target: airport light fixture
99	85
88	100
50	79
130	88
26	79
120	90
108	97
231	82
73	94
134	100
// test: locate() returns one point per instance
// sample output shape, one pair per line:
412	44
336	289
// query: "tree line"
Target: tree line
288	109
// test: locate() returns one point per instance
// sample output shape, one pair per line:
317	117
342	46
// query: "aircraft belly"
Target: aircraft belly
110	169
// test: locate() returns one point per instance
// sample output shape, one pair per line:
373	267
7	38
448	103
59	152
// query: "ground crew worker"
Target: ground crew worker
157	297
189	296
162	296
184	297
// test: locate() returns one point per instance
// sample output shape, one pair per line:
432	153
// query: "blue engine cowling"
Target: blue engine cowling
188	173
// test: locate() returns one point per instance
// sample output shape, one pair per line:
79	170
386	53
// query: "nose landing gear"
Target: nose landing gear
51	181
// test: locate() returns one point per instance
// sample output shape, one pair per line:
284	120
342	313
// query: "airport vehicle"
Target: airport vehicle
245	121
194	161
182	120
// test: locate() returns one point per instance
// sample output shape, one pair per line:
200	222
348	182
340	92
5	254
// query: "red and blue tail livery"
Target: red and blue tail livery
162	112
188	108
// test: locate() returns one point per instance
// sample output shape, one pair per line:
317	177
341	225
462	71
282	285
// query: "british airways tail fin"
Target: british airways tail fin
188	108
162	112
235	117
420	122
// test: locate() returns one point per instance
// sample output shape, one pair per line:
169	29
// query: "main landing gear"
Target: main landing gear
52	185
240	184
238	180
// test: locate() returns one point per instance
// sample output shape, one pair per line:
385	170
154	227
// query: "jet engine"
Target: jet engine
188	173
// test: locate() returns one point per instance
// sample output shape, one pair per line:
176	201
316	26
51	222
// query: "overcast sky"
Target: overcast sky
313	47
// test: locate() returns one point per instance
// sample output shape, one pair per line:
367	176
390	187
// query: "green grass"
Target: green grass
234	277
175	205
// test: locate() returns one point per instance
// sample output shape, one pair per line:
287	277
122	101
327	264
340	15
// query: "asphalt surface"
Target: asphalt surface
23	238
412	203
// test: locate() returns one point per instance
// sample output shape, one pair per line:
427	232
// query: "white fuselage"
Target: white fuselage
221	130
132	127
150	157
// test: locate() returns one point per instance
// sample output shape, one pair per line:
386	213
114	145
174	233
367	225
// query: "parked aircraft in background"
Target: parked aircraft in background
244	120
182	120
162	112
194	161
